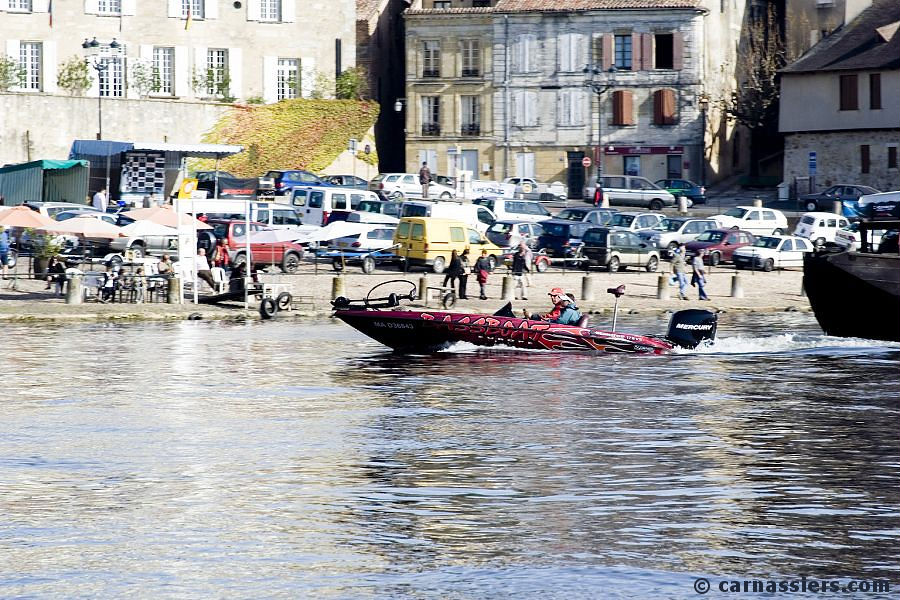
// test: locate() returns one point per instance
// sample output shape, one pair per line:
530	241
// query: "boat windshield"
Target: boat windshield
736	212
766	241
711	236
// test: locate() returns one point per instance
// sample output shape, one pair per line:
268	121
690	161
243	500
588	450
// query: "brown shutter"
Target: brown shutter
849	92
637	61
607	51
658	107
647	51
864	158
664	107
617	107
677	51
623	108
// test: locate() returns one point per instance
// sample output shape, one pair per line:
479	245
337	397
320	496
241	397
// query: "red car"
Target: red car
721	244
286	255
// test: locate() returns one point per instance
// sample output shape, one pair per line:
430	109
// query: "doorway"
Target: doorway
575	175
674	169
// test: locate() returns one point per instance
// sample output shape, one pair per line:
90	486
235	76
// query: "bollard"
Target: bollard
173	291
74	291
757	202
662	286
737	290
682	205
337	286
423	288
507	289
838	207
587	288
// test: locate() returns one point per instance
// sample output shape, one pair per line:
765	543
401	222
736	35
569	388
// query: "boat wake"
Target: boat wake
790	343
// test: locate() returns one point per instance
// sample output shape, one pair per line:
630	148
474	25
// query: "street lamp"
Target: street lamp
96	56
703	105
599	86
398	105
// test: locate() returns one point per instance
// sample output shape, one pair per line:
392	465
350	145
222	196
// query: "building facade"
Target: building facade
839	110
532	88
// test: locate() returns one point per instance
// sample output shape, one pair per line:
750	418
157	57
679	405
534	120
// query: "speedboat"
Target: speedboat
425	331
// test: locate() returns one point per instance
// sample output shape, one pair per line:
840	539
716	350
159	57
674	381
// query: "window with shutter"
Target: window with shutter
664	107
623	52
431	58
849	92
623	108
875	91
663	51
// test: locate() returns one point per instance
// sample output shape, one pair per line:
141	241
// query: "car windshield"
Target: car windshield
737	213
372	206
597	238
808	220
557	229
711	236
571	214
767	242
485	202
500	227
621	220
669	225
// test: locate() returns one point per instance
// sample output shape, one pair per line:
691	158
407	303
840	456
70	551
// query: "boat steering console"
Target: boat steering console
392	300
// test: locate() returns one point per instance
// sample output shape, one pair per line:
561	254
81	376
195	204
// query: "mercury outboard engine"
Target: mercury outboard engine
689	328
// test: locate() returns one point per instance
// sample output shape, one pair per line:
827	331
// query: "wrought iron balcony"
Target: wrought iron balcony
471	72
431	129
431	73
470	129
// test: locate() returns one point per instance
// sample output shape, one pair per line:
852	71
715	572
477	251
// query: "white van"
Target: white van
275	215
507	209
477	217
322	205
820	227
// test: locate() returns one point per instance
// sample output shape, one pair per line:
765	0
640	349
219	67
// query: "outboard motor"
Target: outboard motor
689	328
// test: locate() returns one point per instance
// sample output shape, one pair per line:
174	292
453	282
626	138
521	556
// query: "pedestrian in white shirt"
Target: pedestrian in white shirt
100	201
203	270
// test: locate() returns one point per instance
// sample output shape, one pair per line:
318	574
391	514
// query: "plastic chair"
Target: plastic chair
218	275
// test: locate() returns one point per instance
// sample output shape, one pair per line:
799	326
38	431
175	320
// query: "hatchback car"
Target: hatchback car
285	181
634	221
597	216
347	181
720	244
615	249
561	239
673	231
406	185
683	187
758	221
825	199
628	190
377	237
51	209
772	252
509	234
820	227
849	237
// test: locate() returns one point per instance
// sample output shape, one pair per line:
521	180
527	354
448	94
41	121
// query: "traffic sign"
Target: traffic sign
352	146
586	162
812	163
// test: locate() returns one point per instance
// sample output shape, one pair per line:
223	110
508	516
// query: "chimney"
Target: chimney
852	8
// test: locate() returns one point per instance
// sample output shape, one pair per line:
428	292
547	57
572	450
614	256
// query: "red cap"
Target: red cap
557	292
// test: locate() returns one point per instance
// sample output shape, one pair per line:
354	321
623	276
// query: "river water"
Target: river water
287	459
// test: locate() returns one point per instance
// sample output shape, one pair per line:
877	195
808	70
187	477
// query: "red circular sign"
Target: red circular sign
586	161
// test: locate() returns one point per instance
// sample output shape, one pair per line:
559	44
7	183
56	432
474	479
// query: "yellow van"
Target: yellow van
429	242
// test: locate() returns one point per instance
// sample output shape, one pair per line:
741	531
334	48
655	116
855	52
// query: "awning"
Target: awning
46	165
192	150
98	148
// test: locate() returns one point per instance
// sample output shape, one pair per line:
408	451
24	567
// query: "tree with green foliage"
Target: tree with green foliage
74	76
351	84
11	73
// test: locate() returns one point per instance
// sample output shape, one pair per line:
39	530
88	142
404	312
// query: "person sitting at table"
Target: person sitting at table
56	274
203	270
109	284
165	265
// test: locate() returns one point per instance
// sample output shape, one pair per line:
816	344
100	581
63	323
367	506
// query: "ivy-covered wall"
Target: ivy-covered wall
292	134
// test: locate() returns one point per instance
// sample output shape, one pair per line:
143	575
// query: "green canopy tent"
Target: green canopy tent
45	180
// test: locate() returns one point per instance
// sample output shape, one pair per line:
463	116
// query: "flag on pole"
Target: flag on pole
190	18
50	12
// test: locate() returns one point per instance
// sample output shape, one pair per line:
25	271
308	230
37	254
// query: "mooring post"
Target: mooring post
506	292
662	286
587	288
74	290
337	286
737	290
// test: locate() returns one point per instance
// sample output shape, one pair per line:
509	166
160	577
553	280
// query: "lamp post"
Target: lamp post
96	57
599	86
703	105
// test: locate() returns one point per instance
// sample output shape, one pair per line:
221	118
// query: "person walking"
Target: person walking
482	270
699	276
519	271
424	179
678	270
463	273
453	270
529	263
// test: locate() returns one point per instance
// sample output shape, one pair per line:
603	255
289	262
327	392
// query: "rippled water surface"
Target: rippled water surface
280	459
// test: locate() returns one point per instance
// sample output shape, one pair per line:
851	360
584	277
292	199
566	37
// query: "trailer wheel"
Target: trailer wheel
368	265
284	300
268	308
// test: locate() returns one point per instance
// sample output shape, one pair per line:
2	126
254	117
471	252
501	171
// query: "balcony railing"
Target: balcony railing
470	129
471	72
431	73
431	129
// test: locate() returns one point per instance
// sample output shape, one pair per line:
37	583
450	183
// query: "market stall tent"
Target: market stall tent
45	180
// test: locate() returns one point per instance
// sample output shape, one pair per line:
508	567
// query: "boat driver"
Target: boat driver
564	310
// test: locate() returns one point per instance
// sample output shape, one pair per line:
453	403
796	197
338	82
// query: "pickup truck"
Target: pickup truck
529	189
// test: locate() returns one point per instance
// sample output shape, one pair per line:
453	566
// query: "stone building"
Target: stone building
532	87
839	110
177	51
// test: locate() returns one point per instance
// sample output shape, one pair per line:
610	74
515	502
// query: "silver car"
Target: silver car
628	190
673	231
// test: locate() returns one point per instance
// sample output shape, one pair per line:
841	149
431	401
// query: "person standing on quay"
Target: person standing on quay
482	270
678	270
425	179
699	276
101	201
519	270
463	273
453	270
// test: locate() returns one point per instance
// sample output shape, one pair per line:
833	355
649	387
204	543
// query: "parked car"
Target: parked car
406	185
820	227
444	180
285	181
528	188
520	210
561	239
229	185
51	209
377	237
376	211
540	262
635	221
673	231
627	190
720	244
597	216
824	200
684	187
325	204
287	255
117	219
772	252
848	237
615	249
511	233
351	181
758	221
429	242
